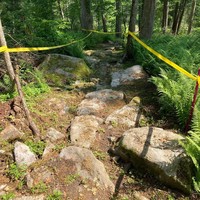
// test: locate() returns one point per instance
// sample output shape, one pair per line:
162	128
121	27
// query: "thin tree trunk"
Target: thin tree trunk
175	18
191	17
132	23
104	22
182	10
32	125
15	79
9	66
165	16
118	25
60	9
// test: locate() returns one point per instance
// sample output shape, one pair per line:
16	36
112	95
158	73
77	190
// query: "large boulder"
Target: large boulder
61	69
158	151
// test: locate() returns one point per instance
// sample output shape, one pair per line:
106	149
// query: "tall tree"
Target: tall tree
132	23
191	16
178	16
86	15
147	20
118	25
165	15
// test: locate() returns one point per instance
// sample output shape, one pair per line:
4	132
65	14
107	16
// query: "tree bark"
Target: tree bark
132	23
165	16
9	66
118	25
191	17
147	20
86	15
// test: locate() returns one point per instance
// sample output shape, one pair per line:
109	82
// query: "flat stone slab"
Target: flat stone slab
90	107
83	130
128	116
158	151
106	95
128	76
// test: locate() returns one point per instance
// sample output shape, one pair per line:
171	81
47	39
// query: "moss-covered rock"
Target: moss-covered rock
60	70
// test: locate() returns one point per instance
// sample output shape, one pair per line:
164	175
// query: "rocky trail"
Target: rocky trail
101	139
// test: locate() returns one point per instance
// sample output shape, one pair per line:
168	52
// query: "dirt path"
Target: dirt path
58	108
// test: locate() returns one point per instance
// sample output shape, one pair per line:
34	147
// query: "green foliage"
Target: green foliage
36	147
39	188
57	195
7	196
16	172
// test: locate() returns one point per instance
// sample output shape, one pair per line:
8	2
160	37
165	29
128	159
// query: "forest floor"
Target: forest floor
130	183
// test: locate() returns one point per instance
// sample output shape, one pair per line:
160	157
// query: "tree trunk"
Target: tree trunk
165	16
132	23
9	66
147	20
118	25
86	15
178	16
60	9
104	22
191	17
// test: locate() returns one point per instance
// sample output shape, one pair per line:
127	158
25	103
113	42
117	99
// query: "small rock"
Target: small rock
10	133
83	130
23	155
48	149
53	135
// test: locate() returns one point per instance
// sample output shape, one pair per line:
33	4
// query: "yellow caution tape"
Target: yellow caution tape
101	32
25	49
166	60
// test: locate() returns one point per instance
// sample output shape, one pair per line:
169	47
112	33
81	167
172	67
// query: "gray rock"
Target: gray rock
10	133
158	151
83	130
106	95
53	135
37	197
60	69
87	166
128	76
90	107
128	116
23	155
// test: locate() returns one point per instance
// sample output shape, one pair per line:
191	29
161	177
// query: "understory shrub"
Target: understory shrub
176	90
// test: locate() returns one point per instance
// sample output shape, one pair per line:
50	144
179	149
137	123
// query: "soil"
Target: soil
58	107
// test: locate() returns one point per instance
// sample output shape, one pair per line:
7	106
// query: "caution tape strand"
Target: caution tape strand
166	60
